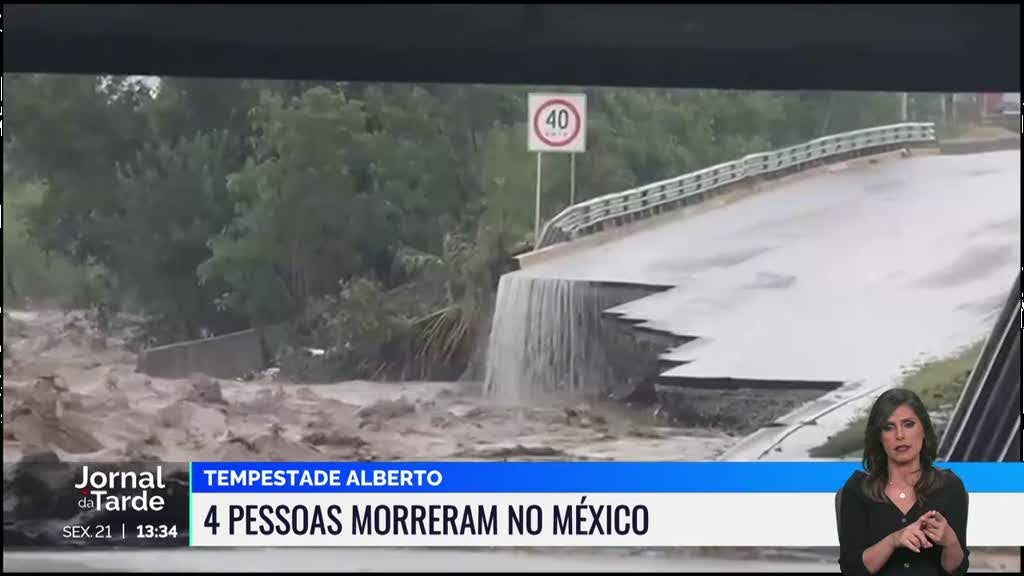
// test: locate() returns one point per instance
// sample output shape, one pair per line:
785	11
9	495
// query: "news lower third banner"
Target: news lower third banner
458	504
554	503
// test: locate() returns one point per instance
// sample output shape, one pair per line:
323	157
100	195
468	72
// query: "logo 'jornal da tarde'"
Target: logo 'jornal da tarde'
121	491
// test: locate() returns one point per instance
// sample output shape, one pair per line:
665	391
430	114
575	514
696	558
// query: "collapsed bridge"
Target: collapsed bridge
743	295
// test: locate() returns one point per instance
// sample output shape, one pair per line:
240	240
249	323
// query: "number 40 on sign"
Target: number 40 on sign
556	123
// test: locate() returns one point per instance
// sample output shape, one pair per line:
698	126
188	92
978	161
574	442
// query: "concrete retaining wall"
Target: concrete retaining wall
227	356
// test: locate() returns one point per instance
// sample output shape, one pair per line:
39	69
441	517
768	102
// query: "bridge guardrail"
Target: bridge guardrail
595	214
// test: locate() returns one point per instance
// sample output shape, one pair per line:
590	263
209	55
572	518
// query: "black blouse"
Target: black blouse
864	522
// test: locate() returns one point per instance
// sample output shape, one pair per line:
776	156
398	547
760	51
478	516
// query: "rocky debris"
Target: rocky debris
231	438
321	423
267	401
387	409
48	384
466	411
205	390
370	426
39	427
202	422
645	433
306	393
738	411
44	416
37	486
44	398
333	438
583	416
51	342
271	447
138	451
516	451
441	422
97	342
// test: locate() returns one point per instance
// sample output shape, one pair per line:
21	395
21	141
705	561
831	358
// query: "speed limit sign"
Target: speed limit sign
557	122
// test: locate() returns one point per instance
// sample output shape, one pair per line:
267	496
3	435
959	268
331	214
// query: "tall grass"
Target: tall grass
938	383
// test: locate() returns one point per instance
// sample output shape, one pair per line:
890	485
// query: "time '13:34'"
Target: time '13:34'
157	531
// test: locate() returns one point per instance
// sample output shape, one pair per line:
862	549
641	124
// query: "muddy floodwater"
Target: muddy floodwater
74	393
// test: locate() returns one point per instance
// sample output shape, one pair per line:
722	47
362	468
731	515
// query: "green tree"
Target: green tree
301	222
173	200
72	132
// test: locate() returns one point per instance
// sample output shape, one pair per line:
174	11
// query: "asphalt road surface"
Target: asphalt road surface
843	275
852	274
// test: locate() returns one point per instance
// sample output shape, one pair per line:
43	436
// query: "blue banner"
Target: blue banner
539	477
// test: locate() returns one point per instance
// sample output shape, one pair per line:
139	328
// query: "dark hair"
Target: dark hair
876	461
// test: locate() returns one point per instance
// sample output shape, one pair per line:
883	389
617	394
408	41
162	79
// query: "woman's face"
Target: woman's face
903	435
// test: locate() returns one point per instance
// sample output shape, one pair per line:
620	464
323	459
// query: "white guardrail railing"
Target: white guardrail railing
637	203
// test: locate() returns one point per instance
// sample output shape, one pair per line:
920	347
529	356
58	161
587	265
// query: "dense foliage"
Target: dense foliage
374	218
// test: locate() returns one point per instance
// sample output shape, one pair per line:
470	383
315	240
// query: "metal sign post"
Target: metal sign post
536	217
557	123
572	179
